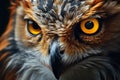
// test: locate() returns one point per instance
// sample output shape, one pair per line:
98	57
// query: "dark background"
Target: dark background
4	14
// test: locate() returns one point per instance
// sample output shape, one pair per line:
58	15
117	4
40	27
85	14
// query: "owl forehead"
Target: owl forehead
62	13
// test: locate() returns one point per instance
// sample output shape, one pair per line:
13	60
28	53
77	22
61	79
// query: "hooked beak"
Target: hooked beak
56	58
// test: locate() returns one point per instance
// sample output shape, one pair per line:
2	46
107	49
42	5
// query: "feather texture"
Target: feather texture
61	51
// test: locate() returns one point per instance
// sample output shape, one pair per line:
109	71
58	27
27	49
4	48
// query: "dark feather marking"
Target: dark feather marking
45	5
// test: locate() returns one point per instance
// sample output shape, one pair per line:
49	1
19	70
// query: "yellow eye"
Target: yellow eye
90	26
33	27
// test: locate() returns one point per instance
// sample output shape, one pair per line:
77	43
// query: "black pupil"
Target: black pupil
35	26
89	25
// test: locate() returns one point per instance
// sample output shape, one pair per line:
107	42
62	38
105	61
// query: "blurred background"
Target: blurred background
4	14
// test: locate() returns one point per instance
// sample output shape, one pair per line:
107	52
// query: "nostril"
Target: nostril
62	51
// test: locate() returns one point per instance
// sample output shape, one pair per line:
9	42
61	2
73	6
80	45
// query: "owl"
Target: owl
61	40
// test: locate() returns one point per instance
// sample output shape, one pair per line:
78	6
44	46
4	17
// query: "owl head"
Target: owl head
61	33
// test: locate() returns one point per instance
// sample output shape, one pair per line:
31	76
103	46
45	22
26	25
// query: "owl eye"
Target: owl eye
33	27
90	26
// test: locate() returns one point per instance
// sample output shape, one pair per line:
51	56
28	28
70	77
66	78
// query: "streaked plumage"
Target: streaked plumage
56	40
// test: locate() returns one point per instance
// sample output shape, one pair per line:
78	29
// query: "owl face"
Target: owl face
67	31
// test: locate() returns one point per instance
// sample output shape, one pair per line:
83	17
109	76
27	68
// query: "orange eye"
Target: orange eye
90	26
33	27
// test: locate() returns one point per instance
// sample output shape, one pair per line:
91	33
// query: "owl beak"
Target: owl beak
56	58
